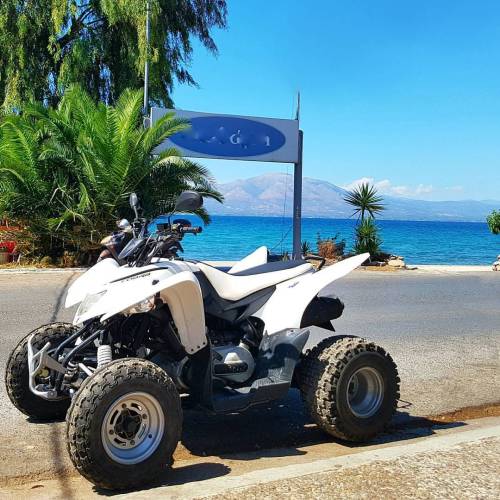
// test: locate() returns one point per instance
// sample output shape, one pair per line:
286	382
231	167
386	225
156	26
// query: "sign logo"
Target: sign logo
227	136
233	137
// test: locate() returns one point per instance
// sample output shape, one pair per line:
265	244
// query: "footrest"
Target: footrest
278	355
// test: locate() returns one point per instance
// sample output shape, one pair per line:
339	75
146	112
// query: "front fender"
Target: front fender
94	278
181	292
184	298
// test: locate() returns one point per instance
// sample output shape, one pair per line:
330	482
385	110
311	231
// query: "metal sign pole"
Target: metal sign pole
297	202
146	64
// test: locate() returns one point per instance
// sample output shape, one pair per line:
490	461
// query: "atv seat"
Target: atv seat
236	286
271	267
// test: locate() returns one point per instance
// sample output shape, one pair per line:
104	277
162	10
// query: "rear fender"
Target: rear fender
286	306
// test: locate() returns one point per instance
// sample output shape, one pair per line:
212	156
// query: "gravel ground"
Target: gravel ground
443	330
467	471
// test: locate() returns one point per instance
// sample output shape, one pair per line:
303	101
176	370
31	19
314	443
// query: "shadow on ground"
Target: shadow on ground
180	475
279	429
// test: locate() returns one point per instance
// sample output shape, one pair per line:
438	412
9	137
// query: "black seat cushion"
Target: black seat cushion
271	267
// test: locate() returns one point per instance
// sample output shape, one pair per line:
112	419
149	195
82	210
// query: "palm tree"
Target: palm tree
66	173
364	199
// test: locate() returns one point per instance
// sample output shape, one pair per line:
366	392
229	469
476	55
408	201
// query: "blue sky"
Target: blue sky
404	93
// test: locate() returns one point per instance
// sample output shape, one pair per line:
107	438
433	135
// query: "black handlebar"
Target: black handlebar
191	230
164	243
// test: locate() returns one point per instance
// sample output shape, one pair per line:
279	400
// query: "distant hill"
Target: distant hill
265	195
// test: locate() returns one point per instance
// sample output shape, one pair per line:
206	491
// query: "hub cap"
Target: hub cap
365	392
132	428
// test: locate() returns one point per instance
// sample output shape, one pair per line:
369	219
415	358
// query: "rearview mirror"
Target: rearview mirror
188	201
133	200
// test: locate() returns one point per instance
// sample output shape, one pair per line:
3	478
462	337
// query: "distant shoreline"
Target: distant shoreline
327	217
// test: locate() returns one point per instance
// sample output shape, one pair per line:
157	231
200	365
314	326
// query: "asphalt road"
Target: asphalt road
442	329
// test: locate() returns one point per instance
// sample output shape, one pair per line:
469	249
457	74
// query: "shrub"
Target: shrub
285	256
493	221
306	248
330	248
46	261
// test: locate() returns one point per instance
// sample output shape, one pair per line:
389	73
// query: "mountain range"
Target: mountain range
272	195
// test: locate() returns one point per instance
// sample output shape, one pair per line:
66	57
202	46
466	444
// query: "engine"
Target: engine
235	351
233	362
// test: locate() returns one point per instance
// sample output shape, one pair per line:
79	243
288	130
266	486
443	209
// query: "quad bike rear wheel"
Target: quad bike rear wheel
124	424
350	386
17	374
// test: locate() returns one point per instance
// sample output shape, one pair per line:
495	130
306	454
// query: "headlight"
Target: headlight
89	302
143	306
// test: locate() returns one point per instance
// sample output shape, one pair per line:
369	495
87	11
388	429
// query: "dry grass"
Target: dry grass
468	413
36	265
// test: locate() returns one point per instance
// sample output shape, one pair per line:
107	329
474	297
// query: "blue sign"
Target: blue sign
225	136
233	137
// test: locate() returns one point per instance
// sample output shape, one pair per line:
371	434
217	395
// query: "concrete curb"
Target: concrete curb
422	268
54	270
451	269
50	270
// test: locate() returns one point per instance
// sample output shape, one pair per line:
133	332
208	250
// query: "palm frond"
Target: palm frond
67	171
364	198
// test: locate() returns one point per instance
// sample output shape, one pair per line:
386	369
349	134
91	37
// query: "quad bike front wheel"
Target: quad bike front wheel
17	374
124	424
350	386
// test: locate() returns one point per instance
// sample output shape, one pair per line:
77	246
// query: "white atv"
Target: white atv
157	327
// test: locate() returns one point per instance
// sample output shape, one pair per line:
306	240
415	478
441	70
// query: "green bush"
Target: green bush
493	221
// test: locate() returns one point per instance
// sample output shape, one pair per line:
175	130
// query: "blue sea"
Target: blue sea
231	238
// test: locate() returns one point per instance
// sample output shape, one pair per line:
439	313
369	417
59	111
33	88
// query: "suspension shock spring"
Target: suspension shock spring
104	355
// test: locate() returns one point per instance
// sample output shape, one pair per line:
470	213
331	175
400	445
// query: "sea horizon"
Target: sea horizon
231	237
379	219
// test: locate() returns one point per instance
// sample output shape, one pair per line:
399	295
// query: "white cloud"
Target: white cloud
422	189
385	186
358	182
